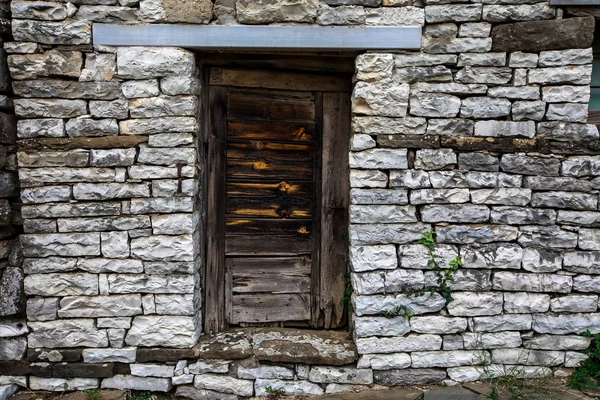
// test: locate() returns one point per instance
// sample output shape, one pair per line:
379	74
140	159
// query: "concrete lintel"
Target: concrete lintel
250	37
575	2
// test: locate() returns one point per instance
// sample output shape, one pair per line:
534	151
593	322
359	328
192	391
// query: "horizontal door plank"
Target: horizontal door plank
258	150
269	189
292	227
271	94
239	169
263	245
271	283
282	207
280	80
272	131
257	266
298	61
270	308
242	108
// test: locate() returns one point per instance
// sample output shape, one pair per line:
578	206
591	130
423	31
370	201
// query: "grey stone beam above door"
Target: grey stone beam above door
575	2
250	37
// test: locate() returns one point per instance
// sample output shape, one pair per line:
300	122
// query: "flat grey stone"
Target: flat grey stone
452	393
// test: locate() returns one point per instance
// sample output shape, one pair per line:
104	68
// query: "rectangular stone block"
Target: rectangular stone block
375	345
137	383
129	222
341	375
66	333
100	306
469	304
467	234
511	281
163	205
163	331
58	210
164	248
455	358
369	258
381	326
379	159
150	126
151	62
61	284
138	283
547	236
43	176
49	108
62	384
386	233
58	244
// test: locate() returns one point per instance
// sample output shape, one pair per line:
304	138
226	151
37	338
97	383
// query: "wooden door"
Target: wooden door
278	199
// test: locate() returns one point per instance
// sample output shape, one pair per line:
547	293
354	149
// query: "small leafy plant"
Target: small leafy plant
92	394
443	275
273	391
145	395
345	301
396	312
587	374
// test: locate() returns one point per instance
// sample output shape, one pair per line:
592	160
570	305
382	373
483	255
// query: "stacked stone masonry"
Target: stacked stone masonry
13	325
481	136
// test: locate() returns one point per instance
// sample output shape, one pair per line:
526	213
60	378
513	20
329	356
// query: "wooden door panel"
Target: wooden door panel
271	130
272	239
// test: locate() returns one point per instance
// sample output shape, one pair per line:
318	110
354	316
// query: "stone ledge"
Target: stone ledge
272	345
105	142
275	345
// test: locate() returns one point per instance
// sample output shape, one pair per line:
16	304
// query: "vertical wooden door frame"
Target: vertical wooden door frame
329	257
214	278
335	203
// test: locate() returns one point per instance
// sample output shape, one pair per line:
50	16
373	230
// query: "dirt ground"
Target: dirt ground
518	390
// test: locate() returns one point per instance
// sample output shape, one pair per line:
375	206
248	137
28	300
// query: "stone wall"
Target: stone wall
13	325
480	136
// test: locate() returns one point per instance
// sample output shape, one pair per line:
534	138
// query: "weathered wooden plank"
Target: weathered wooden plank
341	63
315	284
267	245
258	150
255	266
272	131
269	189
276	283
246	107
289	95
334	206
293	227
268	207
214	282
282	80
240	169
594	117
270	308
